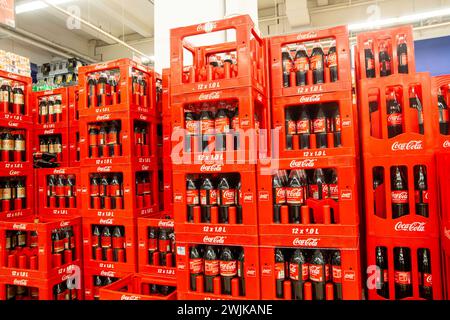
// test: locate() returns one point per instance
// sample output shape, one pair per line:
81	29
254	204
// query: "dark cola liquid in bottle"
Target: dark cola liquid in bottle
336	128
241	273
402	53
295	195
394	116
211	268
196	266
332	62
317	62
92	87
336	274
320	129
399	193
227	197
317	274
228	269
238	201
382	280
222	127
318	185
291	129
287	67
279	273
192	198
414	103
279	197
443	114
191	125
304	129
402	265
206	127
421	192
385	60
208	198
369	59
425	277
301	66
298	273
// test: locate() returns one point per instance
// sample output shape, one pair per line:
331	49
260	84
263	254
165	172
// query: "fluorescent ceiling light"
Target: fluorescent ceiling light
36	5
399	20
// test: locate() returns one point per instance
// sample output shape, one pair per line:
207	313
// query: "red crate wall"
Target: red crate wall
127	139
351	281
443	83
348	127
251	276
410	141
90	291
26	84
64	121
127	101
130	245
338	34
413	244
63	157
44	207
47	264
137	287
167	141
157	220
251	57
30	195
346	210
391	35
74	127
27	130
130	204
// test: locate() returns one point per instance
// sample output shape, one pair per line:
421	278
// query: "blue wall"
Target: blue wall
433	55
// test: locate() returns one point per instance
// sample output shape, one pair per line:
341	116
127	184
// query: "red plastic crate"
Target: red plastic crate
74	101
18	210
25	83
251	277
63	120
252	106
251	57
168	185
127	138
74	144
129	233
375	141
47	265
26	164
232	233
127	102
443	83
391	37
337	34
44	288
331	104
137	287
63	134
132	207
389	243
345	210
91	291
446	272
58	208
382	221
165	94
350	273
158	221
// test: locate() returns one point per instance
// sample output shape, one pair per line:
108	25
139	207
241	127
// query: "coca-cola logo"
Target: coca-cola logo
248	197
346	123
12	75
19	226
251	272
13	124
395	118
429	279
191	125
59	171
311	99
400	196
207	27
145	168
110	274
178	197
228	266
307	35
166	224
104	169
412	227
131	298
227	194
106	221
266	270
349	275
346	194
314	269
308	163
50	131
48	93
292	193
310	242
407	146
209	96
142	117
103	117
446	144
14	173
211	168
101	66
64	224
264	195
22	282
214	240
281	192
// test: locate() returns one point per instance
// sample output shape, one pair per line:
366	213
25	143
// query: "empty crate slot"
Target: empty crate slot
108	243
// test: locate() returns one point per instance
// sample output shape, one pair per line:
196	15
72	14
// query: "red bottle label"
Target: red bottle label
403	59
280	195
444	115
95	190
337	274
228	268
287	65
399	197
337	124
294	195
206	126
314	191
59	191
235	123
192	197
319	125
291	127
222	125
115	190
106	242
211	267
316	272
395	119
303	127
192	127
316	62
333	191
212	197
294	272
426	279
118	242
370	64
93	139
58	246
402	277
302	64
61	296
279	271
152	244
196	266
227	197
332	60
164	245
425	196
112	138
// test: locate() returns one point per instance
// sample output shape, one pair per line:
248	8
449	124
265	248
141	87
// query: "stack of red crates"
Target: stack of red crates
398	137
223	87
308	190
119	169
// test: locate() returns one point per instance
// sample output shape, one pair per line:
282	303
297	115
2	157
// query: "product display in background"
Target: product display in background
11	62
